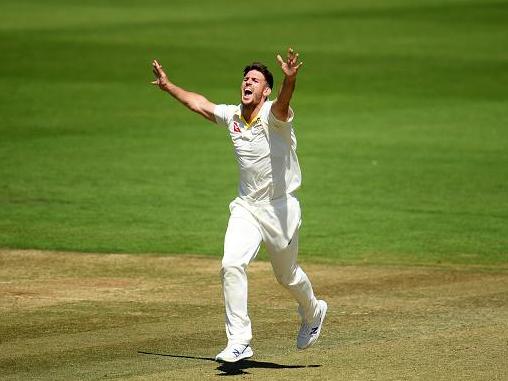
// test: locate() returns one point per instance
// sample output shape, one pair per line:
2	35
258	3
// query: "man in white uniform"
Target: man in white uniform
266	209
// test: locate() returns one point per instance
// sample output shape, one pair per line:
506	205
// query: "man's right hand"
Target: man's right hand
161	79
193	101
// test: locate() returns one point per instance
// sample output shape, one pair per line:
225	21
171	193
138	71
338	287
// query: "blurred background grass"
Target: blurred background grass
401	116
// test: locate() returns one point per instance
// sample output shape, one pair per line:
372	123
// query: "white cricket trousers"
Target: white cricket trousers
277	225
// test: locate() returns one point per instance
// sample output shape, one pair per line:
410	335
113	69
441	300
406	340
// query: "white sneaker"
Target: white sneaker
234	353
309	332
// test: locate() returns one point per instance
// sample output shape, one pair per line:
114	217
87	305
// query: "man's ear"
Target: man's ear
266	92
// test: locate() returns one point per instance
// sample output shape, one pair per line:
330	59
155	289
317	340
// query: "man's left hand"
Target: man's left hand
291	65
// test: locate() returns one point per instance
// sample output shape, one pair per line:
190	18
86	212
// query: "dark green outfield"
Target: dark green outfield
401	115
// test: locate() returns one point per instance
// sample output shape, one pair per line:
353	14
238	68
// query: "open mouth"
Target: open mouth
247	92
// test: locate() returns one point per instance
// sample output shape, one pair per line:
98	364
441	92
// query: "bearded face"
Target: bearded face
254	88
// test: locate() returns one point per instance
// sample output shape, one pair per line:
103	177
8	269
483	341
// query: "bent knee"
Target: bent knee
290	277
286	279
232	268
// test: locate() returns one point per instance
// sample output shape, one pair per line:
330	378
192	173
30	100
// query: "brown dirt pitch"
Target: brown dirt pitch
71	316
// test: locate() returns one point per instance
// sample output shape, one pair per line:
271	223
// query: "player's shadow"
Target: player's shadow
236	368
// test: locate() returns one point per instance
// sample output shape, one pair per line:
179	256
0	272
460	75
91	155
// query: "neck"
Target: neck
250	111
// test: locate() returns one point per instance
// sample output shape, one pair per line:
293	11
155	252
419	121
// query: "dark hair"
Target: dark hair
263	69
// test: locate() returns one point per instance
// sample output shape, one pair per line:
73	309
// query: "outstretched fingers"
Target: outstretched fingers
280	60
292	58
158	72
156	64
291	64
291	55
156	68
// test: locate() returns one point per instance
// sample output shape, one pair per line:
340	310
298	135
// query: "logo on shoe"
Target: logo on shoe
313	331
237	352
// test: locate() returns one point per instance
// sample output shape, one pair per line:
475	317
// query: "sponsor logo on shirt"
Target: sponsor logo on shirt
236	127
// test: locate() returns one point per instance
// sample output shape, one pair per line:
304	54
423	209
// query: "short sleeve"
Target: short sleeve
273	121
222	114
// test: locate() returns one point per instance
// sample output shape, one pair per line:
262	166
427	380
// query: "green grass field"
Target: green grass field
67	316
401	119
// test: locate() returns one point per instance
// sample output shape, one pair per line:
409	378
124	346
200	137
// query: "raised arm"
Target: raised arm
193	101
280	107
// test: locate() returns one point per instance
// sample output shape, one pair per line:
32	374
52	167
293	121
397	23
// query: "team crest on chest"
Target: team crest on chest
256	126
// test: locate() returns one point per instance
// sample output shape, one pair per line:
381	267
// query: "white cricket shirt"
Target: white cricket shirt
265	151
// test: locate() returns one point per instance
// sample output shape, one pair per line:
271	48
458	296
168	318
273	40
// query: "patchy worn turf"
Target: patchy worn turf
83	316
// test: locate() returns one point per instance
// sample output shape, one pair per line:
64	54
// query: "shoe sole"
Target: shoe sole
320	326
